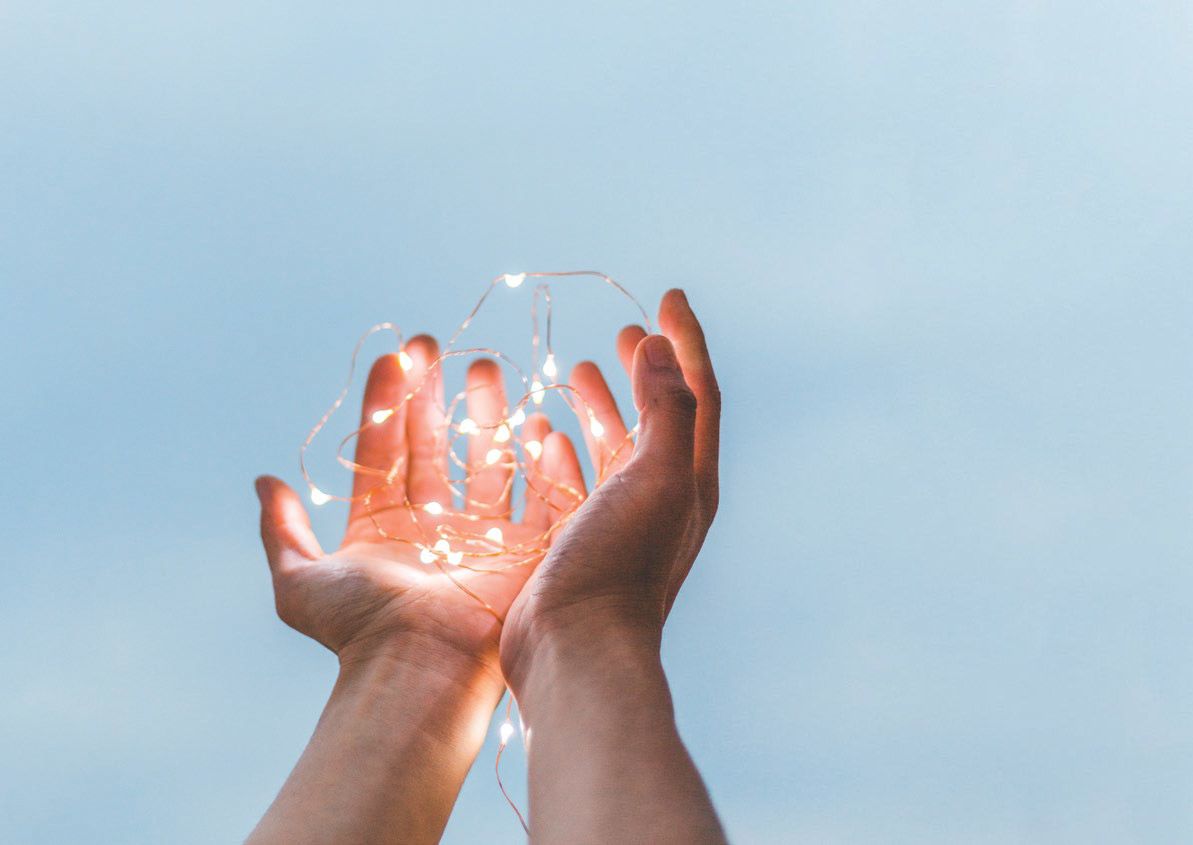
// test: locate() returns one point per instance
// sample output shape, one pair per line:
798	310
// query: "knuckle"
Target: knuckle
671	488
677	399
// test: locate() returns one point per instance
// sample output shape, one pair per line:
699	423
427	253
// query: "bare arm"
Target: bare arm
389	753
606	760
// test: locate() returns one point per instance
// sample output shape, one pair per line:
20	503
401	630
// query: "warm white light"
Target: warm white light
404	360
426	555
319	497
455	558
382	415
549	368
518	417
433	508
502	433
507	730
594	425
493	456
533	448
468	426
536	392
514	279
495	535
442	546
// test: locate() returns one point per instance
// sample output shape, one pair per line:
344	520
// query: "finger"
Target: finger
627	341
538	511
564	476
488	489
604	430
285	526
680	325
666	409
426	477
381	443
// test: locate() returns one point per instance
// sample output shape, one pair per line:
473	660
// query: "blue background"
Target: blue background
943	254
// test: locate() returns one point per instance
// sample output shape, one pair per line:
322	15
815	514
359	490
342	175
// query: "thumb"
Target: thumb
666	407
285	527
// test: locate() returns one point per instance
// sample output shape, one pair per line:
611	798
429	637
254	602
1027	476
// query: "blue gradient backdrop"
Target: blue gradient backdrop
943	253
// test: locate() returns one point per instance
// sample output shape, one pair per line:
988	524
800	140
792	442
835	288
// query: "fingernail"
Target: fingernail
660	353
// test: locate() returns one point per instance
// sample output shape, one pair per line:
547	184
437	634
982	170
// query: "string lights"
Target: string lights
456	538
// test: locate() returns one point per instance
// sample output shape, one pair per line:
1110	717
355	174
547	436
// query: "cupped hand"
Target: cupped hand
615	567
376	590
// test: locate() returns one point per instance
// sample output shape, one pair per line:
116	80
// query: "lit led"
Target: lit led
518	417
493	456
468	426
319	497
594	425
455	558
433	508
536	392
382	415
507	730
426	555
495	535
502	433
404	360
533	448
549	368
514	279
443	546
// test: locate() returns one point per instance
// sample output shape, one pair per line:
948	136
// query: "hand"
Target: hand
374	591
580	648
613	571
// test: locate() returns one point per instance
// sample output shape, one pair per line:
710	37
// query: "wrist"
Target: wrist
418	654
597	666
437	693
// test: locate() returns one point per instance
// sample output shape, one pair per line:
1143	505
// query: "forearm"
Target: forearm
606	760
389	754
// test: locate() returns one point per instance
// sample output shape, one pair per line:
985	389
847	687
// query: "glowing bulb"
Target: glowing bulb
426	555
404	360
493	456
536	392
594	425
514	279
495	535
433	508
382	415
442	546
455	558
533	448
549	368
468	426
319	497
507	730
502	433
518	417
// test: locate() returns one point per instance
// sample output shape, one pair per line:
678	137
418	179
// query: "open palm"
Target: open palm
410	565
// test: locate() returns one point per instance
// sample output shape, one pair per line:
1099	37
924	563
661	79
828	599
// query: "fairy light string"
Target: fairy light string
464	546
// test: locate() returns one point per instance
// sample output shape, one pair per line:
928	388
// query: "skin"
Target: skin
422	664
580	647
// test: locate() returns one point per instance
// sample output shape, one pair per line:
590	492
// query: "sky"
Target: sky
942	255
